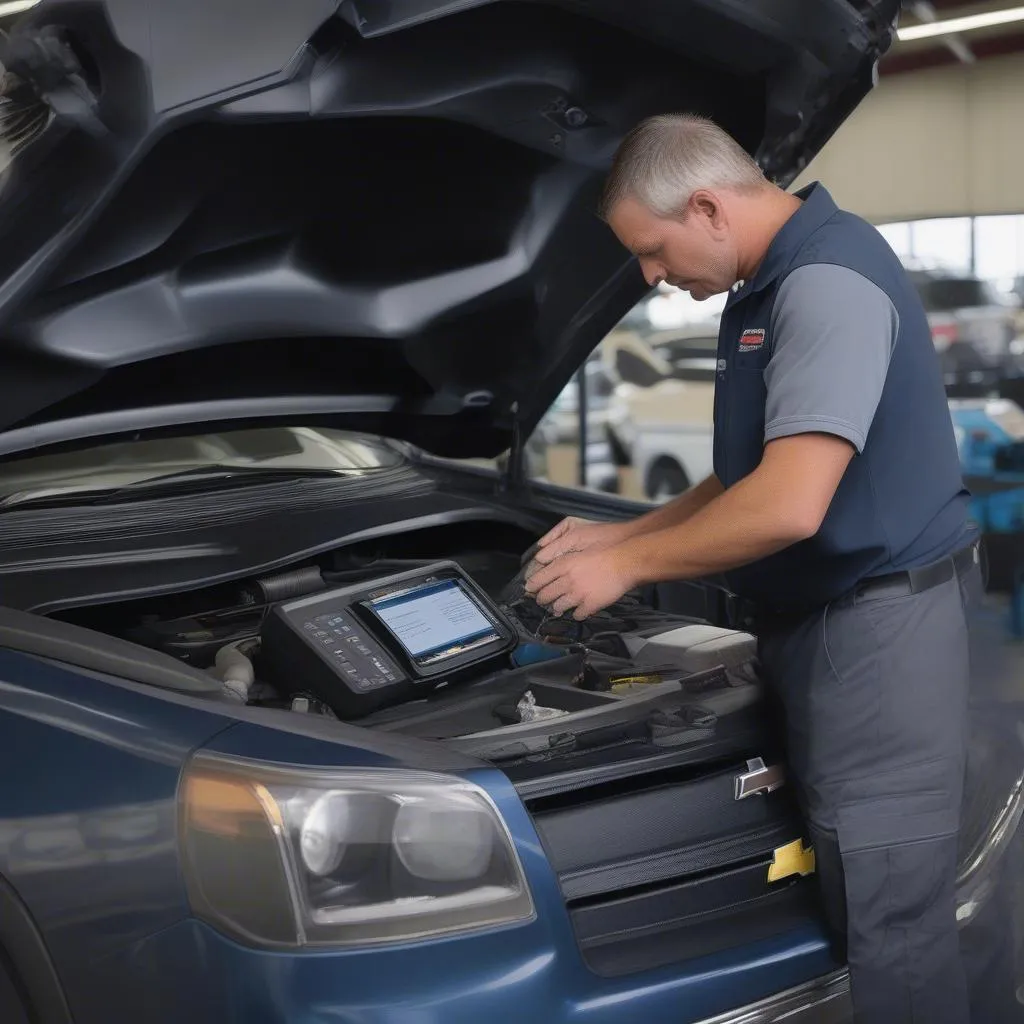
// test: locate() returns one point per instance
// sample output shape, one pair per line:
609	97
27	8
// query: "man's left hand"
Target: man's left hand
583	582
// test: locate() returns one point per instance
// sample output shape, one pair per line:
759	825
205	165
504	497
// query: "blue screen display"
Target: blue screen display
433	618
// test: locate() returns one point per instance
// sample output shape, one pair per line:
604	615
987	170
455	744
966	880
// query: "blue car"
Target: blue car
282	737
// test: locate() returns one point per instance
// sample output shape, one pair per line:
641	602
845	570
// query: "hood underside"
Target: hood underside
375	216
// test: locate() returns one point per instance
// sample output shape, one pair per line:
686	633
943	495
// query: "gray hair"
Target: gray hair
666	158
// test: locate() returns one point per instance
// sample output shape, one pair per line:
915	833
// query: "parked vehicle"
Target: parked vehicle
661	418
561	427
561	424
683	348
973	330
281	737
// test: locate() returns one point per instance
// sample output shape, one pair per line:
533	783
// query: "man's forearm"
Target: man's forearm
785	500
729	529
679	510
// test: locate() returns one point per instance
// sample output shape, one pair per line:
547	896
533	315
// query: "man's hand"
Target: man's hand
582	582
575	534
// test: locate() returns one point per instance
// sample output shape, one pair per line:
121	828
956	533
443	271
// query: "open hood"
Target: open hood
367	215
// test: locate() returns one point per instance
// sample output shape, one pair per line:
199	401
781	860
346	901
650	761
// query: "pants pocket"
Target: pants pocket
909	804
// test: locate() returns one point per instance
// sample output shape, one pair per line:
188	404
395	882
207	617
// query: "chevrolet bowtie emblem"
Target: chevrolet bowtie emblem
791	859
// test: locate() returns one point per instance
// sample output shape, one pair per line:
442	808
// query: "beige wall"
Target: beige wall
947	141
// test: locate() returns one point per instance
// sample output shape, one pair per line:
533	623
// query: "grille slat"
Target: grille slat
665	832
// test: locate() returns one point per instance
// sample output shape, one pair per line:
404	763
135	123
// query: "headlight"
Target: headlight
294	857
444	840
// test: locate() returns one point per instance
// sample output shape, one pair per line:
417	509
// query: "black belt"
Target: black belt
904	583
917	581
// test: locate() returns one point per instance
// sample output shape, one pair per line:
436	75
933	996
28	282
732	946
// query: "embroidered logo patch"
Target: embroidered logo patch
751	340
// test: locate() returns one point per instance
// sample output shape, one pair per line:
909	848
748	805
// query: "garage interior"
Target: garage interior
932	158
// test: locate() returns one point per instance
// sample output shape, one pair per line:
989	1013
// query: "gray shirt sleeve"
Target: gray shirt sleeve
833	332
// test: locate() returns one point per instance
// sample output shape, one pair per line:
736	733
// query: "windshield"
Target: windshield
121	464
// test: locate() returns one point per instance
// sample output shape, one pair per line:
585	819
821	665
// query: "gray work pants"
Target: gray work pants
874	689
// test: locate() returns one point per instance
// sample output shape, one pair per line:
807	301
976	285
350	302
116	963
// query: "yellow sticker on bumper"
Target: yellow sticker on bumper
791	859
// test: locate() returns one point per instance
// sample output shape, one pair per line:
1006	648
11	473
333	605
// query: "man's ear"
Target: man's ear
709	207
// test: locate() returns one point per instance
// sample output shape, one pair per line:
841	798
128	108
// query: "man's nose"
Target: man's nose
653	272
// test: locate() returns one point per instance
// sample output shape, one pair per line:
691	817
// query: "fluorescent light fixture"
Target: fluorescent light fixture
964	24
15	7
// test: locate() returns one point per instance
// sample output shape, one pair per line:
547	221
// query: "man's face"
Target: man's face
695	251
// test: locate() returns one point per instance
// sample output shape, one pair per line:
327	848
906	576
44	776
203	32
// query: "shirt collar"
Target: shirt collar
817	207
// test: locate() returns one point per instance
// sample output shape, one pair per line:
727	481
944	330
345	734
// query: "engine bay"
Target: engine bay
434	636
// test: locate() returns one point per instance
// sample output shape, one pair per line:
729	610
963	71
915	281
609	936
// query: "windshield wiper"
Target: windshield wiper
189	481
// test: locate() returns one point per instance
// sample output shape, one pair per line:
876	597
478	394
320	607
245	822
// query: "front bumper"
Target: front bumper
191	973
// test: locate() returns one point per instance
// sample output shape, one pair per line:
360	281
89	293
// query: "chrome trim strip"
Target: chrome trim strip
759	779
801	1005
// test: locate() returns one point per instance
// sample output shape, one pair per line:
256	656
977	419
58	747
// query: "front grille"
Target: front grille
671	868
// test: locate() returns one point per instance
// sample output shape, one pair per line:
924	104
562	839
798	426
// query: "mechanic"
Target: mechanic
837	513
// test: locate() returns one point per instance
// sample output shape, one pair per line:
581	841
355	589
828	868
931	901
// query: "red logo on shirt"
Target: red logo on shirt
750	340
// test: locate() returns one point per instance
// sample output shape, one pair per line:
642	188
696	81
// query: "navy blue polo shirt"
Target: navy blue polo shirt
830	337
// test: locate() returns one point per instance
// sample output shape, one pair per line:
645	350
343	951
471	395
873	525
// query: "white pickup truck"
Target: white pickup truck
660	418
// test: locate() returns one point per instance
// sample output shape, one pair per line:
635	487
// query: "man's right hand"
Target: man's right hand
574	534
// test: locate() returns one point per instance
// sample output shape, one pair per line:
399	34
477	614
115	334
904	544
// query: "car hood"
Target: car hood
354	214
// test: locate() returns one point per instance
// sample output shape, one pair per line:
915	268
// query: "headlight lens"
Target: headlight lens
293	857
322	835
444	840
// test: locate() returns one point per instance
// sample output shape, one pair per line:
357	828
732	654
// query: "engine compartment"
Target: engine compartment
193	625
635	679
